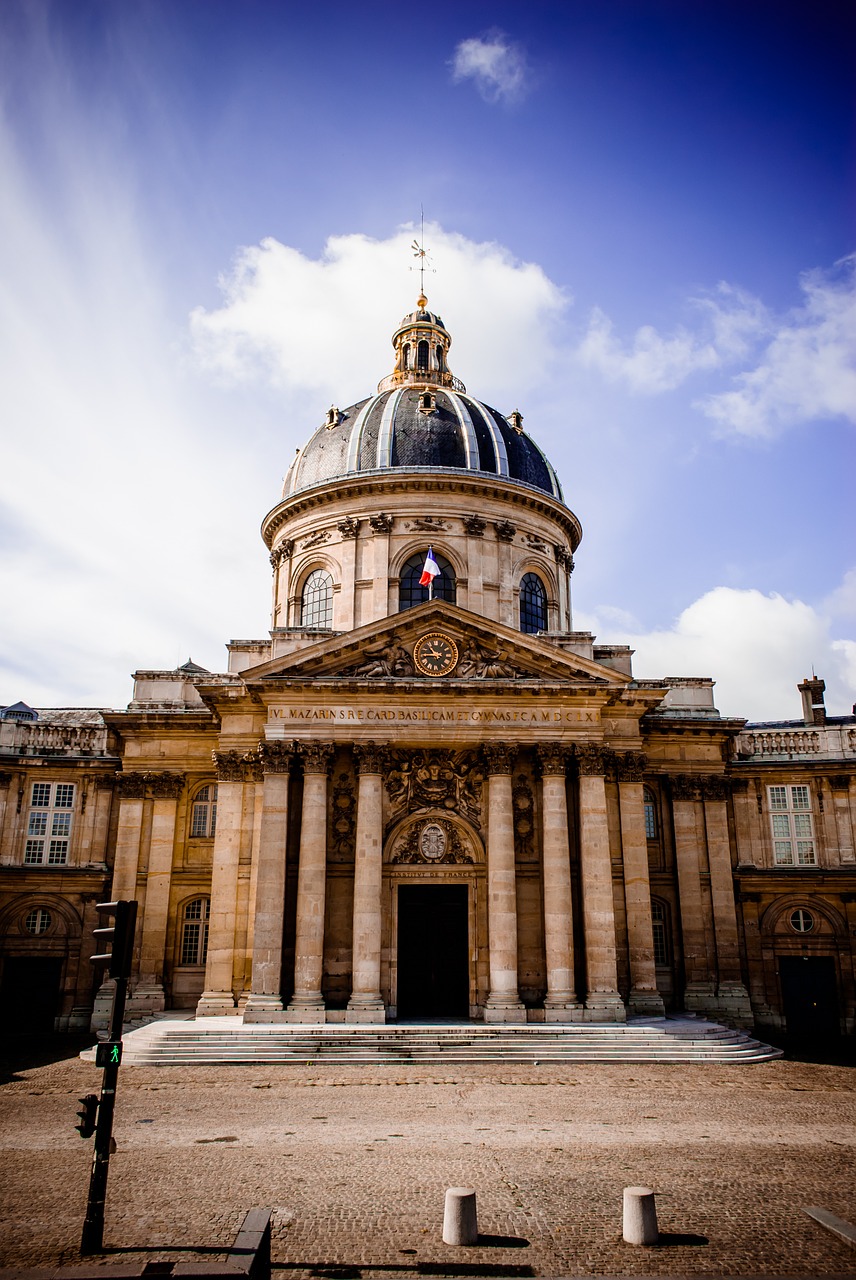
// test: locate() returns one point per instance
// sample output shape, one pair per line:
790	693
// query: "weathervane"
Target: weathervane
420	252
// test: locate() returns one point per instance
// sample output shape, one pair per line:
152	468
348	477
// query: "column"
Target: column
265	998
558	917
503	1003
732	996
839	785
307	1002
381	526
218	996
603	1003
132	791
166	789
698	984
761	1007
644	996
344	620
365	1004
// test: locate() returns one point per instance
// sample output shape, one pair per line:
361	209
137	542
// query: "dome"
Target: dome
421	419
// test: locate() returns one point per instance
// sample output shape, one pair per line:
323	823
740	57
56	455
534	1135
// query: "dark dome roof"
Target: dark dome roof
420	428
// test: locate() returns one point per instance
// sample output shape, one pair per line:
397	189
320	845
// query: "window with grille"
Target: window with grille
409	590
317	600
49	823
650	806
792	826
203	814
533	604
194	932
660	925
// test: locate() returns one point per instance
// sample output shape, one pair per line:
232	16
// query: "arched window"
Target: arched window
438	351
533	604
651	829
203	814
39	920
405	357
409	590
194	932
662	938
422	355
317	600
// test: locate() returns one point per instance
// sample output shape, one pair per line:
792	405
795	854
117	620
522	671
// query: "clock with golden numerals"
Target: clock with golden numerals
435	654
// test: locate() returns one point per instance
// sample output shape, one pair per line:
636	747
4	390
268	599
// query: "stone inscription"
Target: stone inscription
448	715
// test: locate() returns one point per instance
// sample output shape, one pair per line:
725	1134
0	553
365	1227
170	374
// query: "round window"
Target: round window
802	921
38	921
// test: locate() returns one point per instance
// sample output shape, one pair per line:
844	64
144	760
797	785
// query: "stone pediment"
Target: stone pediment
483	650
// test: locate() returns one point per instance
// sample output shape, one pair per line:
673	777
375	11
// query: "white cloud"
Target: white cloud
756	647
729	321
321	324
496	64
808	369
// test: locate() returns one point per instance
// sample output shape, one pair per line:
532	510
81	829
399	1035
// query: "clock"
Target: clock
435	654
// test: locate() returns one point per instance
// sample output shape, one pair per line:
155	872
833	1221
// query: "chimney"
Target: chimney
814	711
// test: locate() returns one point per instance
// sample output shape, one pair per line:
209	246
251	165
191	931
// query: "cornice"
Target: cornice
373	484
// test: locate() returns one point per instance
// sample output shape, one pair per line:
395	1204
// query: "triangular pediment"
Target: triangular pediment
390	649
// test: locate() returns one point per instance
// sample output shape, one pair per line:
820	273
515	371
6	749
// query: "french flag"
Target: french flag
431	570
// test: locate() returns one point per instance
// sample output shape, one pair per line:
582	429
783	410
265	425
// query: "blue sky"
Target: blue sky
640	218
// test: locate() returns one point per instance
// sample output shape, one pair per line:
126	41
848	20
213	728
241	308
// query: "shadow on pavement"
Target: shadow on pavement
27	1050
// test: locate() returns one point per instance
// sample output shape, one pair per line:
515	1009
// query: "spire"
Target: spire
421	343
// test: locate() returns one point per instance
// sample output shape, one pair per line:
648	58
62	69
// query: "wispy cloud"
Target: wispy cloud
496	64
807	371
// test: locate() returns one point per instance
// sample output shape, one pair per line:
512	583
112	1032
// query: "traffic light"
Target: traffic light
88	1114
120	935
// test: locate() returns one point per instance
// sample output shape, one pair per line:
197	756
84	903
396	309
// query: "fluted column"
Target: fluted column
265	998
503	1003
307	1000
698	986
558	917
166	789
603	1003
232	771
644	996
732	996
366	1004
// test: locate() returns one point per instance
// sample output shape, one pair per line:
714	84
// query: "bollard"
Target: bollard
640	1216
459	1216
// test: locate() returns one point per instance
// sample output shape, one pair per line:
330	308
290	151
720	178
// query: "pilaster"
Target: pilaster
561	1001
732	996
503	1003
148	994
265	998
366	1004
603	1002
644	997
699	984
307	1003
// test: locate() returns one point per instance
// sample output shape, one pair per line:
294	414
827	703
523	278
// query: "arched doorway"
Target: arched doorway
433	951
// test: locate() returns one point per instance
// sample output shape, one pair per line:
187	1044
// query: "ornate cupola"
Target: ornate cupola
421	345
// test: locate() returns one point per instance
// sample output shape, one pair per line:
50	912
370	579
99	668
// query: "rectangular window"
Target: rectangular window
49	823
190	943
792	826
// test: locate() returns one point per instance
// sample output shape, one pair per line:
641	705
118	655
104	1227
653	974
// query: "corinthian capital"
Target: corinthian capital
552	757
497	757
316	756
683	786
371	757
165	786
591	759
630	766
275	757
132	786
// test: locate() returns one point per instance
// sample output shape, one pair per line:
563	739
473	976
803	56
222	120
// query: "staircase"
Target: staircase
219	1041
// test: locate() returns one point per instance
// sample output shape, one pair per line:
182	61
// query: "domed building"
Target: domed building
425	795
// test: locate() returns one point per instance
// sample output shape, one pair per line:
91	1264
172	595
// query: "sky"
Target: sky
640	223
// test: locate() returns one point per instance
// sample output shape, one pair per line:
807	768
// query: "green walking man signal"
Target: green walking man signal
108	1053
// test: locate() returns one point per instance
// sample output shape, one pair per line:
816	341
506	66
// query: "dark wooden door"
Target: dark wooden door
809	995
29	997
433	968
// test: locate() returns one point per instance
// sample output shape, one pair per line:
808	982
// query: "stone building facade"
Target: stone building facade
409	803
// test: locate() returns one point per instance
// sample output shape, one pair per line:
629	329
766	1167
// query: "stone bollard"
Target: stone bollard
640	1216
459	1216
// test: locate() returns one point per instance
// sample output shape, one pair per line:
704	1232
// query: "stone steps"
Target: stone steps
214	1041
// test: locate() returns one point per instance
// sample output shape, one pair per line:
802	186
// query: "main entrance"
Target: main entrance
809	995
433	969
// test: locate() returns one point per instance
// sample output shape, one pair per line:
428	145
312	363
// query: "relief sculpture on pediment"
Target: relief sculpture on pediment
478	662
388	659
440	779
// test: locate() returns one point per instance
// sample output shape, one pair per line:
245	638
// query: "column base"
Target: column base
80	1017
306	1008
572	1011
605	1006
699	997
504	1009
643	1003
103	1006
215	1004
145	999
365	1009
733	1003
261	1008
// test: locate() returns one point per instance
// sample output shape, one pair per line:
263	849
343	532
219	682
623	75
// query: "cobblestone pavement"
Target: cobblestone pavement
354	1162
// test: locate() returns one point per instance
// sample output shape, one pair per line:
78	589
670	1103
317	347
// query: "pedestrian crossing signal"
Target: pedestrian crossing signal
108	1053
120	935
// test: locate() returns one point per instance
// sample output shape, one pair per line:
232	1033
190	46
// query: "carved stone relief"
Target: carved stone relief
440	779
388	659
428	524
480	662
315	539
523	806
381	523
343	819
349	527
505	530
433	843
474	525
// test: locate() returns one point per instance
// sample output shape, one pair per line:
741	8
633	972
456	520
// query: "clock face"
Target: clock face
435	654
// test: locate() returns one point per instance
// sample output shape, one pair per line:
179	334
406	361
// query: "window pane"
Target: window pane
784	854
317	600
57	852
64	795
650	822
802	825
38	921
190	944
41	793
799	798
533	604
781	825
38	824
805	853
409	591
61	825
199	825
193	910
778	797
34	851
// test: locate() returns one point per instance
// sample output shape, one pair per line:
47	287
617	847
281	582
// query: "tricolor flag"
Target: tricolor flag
431	570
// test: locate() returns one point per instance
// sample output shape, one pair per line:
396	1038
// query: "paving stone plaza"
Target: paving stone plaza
354	1161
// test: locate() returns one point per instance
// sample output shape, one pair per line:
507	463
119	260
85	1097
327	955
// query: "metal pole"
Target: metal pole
93	1226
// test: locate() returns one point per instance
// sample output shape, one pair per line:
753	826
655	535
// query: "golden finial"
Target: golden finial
422	302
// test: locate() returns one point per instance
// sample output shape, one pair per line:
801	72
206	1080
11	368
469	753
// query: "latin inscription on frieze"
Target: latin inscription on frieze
436	715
